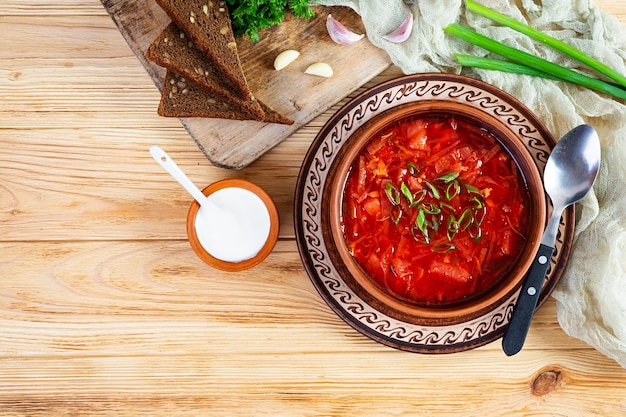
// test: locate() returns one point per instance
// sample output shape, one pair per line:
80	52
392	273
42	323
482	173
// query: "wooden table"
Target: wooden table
104	308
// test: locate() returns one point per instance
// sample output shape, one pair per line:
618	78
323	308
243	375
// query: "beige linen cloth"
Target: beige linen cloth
591	296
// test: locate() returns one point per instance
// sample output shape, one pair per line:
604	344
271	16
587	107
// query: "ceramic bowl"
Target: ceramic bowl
474	304
344	285
267	247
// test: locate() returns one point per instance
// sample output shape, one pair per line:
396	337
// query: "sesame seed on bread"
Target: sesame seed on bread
207	23
173	50
182	98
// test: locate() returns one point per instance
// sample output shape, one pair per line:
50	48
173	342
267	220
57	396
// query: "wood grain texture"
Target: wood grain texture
105	310
300	97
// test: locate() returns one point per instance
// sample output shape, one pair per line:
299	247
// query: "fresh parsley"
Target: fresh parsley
250	16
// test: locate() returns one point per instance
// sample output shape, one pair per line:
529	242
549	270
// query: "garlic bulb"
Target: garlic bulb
402	32
339	33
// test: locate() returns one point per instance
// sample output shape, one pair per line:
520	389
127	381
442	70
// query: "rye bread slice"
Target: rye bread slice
207	23
272	116
173	50
181	98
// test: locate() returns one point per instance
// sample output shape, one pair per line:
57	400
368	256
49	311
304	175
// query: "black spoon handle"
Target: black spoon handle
515	335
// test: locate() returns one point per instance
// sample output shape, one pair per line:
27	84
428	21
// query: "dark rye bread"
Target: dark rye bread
173	50
181	98
207	23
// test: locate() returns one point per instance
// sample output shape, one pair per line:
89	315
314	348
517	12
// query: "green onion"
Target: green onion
430	208
433	190
448	177
533	33
483	213
532	61
420	221
453	227
395	217
507	66
407	193
392	193
501	65
466	219
478	204
476	233
418	197
471	189
443	247
447	206
452	190
432	211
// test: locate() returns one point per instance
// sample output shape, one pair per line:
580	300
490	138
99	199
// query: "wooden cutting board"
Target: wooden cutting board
299	96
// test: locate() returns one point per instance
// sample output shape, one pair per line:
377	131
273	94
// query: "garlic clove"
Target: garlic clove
321	69
285	58
339	33
402	32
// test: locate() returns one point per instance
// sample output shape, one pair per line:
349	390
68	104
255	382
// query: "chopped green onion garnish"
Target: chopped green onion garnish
453	224
396	215
470	188
475	233
452	190
413	169
418	197
392	193
434	191
431	208
478	203
433	211
451	234
446	206
481	216
453	227
448	177
466	219
420	221
443	247
407	193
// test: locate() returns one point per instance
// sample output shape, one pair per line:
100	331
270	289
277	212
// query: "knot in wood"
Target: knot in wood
546	381
15	75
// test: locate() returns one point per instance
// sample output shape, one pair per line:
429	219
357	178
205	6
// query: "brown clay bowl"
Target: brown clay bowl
343	283
462	310
267	247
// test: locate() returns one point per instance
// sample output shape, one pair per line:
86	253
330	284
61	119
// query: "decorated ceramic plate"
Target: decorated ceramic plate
318	252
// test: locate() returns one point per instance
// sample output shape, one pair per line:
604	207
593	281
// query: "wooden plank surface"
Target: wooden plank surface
105	310
301	97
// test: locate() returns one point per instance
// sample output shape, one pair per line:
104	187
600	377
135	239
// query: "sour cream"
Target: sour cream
236	228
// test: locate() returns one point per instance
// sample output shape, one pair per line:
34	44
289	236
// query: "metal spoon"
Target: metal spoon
570	173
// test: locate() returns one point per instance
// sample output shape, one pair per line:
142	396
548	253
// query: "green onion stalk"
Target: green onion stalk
532	61
540	36
524	63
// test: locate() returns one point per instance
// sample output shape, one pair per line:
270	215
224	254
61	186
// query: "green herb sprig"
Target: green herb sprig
524	63
250	16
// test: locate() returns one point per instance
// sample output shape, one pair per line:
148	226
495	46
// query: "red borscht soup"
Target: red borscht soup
435	210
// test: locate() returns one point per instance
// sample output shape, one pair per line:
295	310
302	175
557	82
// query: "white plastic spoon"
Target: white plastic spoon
233	230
